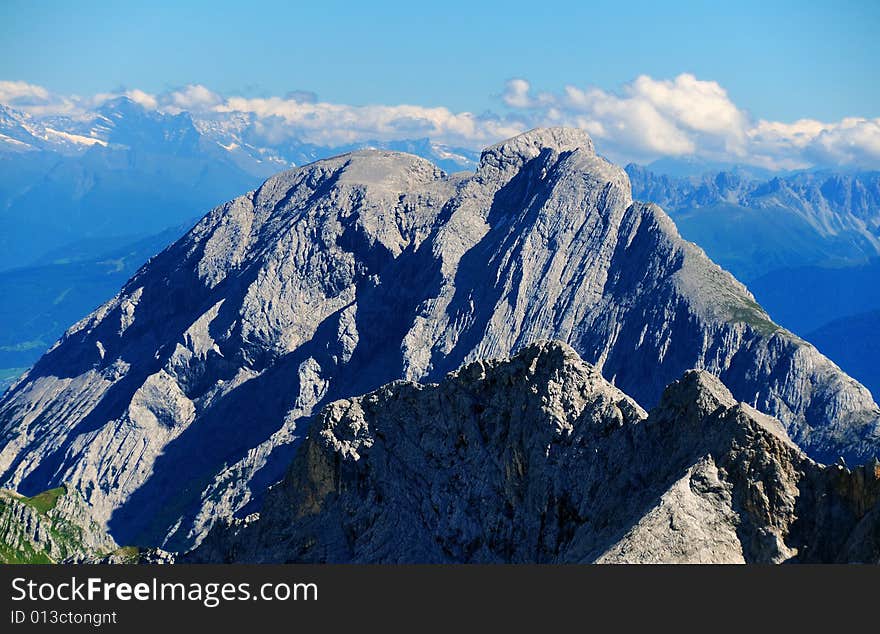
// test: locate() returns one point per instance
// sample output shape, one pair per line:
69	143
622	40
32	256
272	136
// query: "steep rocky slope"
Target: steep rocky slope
183	398
539	459
51	527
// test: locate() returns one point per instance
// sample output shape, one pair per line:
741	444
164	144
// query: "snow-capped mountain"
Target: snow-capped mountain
123	171
20	132
123	122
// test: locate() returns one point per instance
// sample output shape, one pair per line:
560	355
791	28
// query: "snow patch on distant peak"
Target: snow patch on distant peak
75	138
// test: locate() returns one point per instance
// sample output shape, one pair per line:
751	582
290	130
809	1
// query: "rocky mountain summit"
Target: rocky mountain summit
179	401
539	459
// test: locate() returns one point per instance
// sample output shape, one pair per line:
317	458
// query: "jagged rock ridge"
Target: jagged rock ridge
182	399
539	459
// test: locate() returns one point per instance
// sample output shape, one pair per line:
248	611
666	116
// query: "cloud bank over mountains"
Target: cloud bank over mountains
643	120
687	116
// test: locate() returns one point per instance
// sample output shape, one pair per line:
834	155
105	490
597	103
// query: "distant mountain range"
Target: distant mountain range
805	243
753	225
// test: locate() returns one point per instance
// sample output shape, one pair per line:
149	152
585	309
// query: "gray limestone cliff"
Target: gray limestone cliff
182	399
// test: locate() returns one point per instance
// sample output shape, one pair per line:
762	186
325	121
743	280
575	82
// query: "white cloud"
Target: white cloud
516	93
193	98
645	119
35	100
337	124
650	118
145	99
12	92
853	141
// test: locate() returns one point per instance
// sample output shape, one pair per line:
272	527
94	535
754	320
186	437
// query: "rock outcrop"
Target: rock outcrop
51	527
183	398
539	459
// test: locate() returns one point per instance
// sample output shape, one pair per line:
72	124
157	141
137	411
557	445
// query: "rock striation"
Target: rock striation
182	399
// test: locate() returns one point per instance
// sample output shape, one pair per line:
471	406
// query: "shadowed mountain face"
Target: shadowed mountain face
179	401
539	459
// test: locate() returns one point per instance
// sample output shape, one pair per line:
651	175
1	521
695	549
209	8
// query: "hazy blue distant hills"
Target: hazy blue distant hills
126	172
805	298
38	303
106	193
832	308
806	243
753	225
691	166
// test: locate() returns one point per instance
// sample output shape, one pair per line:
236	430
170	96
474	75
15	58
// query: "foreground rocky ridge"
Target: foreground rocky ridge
52	527
181	400
539	459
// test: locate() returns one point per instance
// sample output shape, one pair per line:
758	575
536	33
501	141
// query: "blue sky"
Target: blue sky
777	84
779	60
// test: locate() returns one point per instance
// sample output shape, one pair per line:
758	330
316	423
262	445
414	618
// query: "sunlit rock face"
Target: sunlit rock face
181	400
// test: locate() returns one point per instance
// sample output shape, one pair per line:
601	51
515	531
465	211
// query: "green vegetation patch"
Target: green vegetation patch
24	555
45	501
750	313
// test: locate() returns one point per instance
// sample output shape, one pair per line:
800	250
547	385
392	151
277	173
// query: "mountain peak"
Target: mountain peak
512	465
121	105
529	145
697	388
